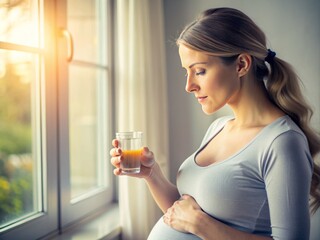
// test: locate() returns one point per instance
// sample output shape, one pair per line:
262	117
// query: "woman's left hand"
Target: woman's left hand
185	215
182	214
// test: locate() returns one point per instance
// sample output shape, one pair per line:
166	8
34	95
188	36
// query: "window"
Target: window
55	114
84	117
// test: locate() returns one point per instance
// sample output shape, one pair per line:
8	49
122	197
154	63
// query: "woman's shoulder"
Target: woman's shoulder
284	126
285	145
284	137
281	132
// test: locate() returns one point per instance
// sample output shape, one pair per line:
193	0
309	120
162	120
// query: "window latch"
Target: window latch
65	33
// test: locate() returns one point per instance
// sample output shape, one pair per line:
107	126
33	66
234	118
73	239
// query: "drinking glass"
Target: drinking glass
131	146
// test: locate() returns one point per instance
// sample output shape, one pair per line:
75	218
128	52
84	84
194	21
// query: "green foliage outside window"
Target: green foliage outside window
16	164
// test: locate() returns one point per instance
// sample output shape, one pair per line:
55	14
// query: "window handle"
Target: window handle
65	33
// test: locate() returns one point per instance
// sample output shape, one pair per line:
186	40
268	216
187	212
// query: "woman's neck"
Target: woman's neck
252	106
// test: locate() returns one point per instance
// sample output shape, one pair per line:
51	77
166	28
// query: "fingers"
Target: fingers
185	197
147	158
115	161
117	171
115	152
115	143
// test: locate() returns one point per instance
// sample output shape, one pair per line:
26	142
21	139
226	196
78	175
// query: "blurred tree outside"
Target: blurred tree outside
16	76
16	180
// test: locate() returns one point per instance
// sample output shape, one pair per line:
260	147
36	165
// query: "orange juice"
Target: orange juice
131	161
131	146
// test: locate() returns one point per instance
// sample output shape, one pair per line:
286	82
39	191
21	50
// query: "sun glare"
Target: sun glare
19	22
19	25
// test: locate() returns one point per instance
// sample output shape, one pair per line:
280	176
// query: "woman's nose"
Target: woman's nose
191	85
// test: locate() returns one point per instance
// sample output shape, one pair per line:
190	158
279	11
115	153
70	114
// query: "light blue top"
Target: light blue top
262	189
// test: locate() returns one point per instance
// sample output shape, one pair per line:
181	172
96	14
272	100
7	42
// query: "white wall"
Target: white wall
293	31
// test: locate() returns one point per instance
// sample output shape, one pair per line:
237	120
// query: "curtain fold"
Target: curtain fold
141	103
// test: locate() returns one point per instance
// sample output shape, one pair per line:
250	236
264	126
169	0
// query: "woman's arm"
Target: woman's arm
287	172
163	191
186	216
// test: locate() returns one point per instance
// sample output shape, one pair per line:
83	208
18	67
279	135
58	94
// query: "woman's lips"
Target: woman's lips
201	99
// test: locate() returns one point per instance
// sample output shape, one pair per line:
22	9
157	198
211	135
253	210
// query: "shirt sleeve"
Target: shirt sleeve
287	172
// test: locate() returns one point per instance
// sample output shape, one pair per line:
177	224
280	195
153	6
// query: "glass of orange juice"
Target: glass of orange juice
131	146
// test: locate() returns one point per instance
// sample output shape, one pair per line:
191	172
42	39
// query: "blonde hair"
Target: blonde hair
227	32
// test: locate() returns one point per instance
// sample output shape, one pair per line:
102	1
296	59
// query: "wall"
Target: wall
292	29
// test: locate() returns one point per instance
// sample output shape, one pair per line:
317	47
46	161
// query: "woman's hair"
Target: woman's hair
226	33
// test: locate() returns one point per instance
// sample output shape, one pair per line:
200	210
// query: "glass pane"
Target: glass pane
19	136
86	24
20	22
86	124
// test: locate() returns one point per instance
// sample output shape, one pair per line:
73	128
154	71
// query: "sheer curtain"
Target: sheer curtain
141	103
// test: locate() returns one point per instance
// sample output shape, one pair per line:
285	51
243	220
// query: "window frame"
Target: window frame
56	203
71	211
45	221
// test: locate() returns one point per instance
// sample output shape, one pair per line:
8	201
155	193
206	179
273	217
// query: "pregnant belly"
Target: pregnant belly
162	231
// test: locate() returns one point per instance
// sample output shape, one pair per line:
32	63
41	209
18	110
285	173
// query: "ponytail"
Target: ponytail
283	87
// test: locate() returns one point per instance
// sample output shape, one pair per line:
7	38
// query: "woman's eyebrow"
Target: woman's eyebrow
193	64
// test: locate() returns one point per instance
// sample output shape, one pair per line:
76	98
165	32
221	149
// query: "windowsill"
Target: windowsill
106	226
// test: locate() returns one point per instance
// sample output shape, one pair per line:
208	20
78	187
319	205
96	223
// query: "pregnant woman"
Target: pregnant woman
251	176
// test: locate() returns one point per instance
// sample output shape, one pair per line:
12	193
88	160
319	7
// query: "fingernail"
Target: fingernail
145	150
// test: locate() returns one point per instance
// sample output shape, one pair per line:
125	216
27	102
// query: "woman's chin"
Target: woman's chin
209	111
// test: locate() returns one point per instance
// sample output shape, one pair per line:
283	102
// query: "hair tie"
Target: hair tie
271	54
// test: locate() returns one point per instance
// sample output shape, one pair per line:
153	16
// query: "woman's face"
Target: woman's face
213	83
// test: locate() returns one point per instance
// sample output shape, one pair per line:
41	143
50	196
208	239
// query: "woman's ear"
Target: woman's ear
243	64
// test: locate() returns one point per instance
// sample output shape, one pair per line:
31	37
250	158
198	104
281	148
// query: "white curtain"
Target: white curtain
141	103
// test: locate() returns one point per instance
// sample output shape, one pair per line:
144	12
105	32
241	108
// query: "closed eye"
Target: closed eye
201	72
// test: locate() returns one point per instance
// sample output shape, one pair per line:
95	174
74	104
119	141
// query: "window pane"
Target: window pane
87	128
19	136
20	22
86	24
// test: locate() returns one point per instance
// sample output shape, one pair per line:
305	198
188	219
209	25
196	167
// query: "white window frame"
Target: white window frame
72	210
55	174
45	221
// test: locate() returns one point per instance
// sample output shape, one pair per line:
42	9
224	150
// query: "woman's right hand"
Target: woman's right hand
147	161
